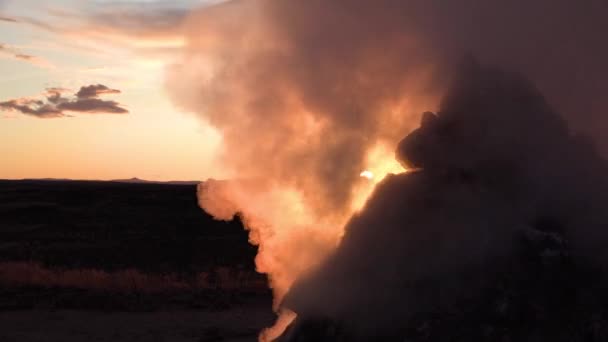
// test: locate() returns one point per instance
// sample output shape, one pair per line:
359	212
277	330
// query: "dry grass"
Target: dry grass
125	281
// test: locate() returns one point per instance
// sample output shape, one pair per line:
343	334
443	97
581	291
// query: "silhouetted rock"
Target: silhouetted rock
500	234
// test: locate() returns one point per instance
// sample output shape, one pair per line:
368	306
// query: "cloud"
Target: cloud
150	30
12	52
6	49
92	106
54	95
35	108
8	19
24	57
93	91
154	26
55	105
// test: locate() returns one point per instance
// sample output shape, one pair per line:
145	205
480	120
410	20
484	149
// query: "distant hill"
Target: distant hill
113	226
133	180
139	181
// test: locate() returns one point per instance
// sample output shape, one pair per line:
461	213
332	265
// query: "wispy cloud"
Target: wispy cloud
147	33
131	24
56	105
11	52
8	19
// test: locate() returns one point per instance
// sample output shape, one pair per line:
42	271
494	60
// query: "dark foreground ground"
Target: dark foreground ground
105	261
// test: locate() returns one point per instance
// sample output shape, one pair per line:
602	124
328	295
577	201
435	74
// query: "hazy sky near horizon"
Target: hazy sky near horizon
124	45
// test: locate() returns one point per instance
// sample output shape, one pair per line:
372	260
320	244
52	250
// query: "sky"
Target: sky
107	89
125	125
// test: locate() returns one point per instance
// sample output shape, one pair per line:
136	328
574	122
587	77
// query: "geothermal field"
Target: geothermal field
365	170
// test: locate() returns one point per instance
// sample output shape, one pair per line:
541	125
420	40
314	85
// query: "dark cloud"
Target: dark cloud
93	91
54	95
92	105
32	107
8	19
86	100
496	163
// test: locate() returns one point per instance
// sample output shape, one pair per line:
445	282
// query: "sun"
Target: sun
367	174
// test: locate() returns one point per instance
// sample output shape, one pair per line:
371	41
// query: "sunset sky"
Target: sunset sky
126	126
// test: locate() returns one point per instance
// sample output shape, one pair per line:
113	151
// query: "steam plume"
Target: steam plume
299	121
493	169
307	94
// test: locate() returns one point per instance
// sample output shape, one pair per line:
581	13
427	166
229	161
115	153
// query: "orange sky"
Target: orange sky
81	43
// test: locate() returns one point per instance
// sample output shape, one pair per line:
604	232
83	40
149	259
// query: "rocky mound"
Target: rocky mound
500	235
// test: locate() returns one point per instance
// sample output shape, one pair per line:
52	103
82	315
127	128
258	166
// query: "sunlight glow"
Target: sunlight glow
367	174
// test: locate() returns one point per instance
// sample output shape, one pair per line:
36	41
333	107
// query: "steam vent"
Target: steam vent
500	235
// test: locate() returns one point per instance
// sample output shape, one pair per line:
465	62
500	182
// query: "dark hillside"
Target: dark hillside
110	226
